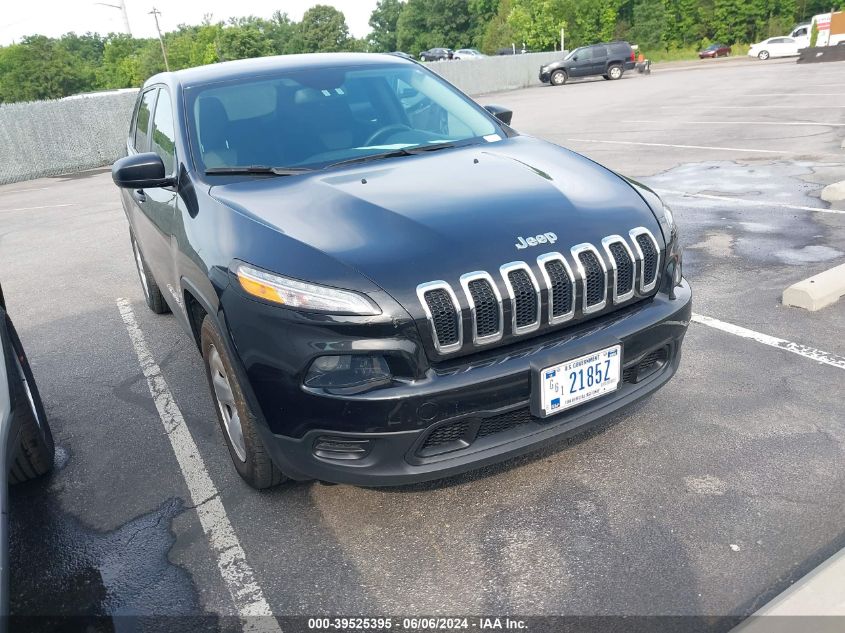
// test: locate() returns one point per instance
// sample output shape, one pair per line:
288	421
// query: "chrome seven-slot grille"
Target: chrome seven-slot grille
633	266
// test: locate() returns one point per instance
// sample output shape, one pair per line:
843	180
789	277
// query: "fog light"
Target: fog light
348	374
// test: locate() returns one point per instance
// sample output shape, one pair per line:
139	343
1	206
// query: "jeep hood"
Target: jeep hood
409	220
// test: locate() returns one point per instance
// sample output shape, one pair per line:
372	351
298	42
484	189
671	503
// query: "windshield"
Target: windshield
317	118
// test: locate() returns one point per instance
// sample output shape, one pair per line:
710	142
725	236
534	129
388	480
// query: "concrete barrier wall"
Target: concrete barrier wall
492	74
47	138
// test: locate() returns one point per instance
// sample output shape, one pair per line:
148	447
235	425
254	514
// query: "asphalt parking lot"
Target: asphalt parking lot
707	499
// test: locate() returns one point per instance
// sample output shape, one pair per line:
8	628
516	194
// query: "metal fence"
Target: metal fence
48	138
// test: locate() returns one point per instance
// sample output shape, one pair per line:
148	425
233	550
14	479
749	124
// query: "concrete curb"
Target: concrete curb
819	593
817	292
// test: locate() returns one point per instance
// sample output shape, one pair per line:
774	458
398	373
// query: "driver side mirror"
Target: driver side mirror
500	112
141	171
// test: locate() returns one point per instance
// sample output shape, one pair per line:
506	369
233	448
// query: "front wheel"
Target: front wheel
35	452
558	78
234	414
763	55
614	72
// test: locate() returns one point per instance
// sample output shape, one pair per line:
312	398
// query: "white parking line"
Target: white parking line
231	560
723	149
48	206
21	190
757	203
802	350
754	107
741	123
794	94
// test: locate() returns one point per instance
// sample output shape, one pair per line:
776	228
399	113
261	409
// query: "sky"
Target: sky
56	17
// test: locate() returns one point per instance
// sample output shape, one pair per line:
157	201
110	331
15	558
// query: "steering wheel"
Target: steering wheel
383	131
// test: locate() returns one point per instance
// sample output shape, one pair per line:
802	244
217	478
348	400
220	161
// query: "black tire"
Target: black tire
558	78
152	293
615	72
763	55
255	466
34	457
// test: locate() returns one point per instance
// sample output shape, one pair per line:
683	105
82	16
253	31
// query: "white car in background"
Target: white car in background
468	53
781	46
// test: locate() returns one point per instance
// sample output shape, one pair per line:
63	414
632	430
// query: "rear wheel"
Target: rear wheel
558	78
36	448
614	72
237	420
763	55
152	293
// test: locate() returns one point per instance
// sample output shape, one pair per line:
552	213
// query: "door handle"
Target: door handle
139	195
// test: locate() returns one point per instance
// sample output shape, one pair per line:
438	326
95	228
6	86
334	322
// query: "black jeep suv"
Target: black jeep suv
609	60
387	283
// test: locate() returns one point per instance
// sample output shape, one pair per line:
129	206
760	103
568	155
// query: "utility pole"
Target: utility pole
562	38
121	6
155	13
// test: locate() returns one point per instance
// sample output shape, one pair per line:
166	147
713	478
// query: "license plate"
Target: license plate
579	380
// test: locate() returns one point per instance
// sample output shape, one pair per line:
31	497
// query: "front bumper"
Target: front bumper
545	75
470	394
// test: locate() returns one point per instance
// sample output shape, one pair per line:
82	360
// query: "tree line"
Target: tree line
40	67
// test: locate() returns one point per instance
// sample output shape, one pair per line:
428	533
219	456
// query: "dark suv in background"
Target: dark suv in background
609	60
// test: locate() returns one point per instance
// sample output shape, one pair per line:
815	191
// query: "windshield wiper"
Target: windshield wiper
431	148
403	151
369	157
258	169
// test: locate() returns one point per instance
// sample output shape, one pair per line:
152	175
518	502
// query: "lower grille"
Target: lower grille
447	434
651	362
504	422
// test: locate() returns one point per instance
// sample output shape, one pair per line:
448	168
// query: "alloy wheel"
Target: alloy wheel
225	398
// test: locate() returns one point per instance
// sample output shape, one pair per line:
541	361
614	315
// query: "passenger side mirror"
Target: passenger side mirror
500	112
575	59
141	171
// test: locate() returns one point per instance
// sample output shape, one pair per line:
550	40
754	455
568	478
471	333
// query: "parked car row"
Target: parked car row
440	54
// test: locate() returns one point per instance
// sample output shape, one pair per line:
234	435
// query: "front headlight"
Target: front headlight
301	295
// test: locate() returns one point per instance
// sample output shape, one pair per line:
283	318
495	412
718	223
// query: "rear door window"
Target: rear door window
598	52
163	140
142	125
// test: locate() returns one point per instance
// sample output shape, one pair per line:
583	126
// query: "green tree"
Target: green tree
498	33
538	22
384	21
323	28
243	38
649	24
38	68
425	24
